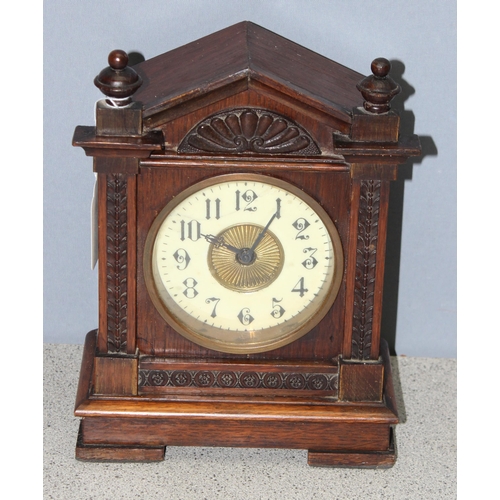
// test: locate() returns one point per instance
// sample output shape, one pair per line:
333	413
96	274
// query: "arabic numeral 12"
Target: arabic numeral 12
249	196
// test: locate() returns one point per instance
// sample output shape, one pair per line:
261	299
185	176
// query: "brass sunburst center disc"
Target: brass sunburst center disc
235	275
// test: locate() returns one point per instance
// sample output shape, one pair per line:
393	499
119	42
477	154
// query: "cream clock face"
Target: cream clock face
243	263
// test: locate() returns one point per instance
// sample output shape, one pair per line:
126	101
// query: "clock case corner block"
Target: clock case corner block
143	386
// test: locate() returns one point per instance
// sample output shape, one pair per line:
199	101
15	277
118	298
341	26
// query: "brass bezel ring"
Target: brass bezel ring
212	337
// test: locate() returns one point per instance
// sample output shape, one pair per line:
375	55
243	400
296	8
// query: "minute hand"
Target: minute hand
261	235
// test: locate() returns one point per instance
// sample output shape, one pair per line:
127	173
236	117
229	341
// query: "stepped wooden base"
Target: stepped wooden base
138	428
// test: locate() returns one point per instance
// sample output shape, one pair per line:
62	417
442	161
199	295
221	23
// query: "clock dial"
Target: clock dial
243	263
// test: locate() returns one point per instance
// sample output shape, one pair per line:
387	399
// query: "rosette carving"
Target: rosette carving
249	131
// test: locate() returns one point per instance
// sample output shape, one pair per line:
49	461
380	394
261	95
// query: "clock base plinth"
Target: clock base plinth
138	428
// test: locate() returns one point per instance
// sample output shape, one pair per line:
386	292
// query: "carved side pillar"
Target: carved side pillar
374	151
117	143
117	251
368	233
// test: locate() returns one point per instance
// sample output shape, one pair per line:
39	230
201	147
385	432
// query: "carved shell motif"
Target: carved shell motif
249	131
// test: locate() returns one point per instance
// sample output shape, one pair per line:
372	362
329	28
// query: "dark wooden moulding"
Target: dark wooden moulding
142	385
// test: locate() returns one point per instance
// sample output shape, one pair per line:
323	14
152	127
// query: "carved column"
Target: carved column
117	143
374	150
368	233
116	250
117	116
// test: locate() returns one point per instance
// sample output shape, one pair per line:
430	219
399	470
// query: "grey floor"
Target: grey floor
425	440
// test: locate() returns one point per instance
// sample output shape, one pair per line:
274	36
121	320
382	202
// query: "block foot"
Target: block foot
357	459
113	453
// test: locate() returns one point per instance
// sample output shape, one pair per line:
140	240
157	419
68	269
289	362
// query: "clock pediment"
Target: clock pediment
240	59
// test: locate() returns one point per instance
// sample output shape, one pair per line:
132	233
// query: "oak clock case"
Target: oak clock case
242	219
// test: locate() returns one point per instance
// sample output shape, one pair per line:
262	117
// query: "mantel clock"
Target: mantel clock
242	199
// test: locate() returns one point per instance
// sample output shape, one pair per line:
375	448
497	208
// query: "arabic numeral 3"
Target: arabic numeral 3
310	262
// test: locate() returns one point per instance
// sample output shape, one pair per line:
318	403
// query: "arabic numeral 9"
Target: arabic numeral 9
182	258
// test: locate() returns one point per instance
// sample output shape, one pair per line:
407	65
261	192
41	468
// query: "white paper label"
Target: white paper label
93	227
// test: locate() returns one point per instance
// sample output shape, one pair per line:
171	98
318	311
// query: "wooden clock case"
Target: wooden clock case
291	114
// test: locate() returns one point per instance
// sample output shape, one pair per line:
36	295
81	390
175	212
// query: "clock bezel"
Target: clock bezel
255	346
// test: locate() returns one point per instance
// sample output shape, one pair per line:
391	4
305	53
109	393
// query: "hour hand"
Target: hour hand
218	241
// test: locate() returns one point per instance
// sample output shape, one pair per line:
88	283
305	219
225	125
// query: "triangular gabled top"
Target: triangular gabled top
247	52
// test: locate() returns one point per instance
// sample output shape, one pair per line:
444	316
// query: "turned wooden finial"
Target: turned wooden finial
118	81
378	89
